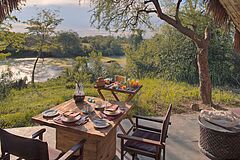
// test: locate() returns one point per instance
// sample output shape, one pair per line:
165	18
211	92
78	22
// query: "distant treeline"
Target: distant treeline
70	44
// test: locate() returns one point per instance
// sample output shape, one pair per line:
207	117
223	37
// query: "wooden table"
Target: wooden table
101	143
130	93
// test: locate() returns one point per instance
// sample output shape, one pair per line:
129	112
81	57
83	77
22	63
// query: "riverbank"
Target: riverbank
47	68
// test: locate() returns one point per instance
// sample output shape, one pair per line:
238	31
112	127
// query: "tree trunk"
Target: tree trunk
39	56
203	71
34	67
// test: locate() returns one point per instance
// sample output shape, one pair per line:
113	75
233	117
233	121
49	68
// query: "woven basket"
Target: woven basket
218	145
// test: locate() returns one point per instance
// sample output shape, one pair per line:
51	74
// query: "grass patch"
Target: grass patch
153	99
121	60
157	94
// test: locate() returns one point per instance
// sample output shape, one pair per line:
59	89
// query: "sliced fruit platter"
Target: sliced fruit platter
129	86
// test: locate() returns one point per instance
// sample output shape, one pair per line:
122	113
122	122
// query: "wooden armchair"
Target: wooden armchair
145	140
35	149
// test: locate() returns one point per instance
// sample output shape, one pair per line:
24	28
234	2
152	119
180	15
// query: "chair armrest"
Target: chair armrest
39	134
6	156
73	150
143	140
148	128
149	119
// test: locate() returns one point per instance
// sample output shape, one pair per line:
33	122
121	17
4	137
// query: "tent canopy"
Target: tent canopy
224	11
7	6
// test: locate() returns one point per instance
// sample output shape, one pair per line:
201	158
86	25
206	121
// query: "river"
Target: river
46	69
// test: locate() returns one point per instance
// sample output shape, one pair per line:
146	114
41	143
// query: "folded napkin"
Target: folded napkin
222	118
82	121
112	108
71	114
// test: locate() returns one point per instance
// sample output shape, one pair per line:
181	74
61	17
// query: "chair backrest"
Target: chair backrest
26	148
165	125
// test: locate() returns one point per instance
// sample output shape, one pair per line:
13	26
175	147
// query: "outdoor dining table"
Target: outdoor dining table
100	144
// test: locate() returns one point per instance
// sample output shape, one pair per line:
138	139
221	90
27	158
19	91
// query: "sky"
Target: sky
76	16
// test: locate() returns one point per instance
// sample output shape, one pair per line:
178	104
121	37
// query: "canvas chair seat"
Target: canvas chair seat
143	146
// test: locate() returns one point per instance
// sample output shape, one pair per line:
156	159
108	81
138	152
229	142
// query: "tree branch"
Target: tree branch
157	6
177	11
184	30
207	33
151	11
147	1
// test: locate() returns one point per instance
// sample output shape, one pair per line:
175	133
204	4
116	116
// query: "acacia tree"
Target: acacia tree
42	27
122	14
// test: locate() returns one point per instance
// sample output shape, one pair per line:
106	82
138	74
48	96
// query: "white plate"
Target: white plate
109	113
101	123
67	120
99	106
50	113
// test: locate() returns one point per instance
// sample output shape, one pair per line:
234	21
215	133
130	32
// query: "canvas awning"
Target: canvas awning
7	6
224	11
233	9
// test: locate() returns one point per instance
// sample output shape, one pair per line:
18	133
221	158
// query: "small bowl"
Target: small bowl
78	98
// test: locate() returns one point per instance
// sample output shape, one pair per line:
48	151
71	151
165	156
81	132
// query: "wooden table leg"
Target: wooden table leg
115	96
129	98
101	95
95	148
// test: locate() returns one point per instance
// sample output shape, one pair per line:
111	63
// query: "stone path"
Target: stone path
182	143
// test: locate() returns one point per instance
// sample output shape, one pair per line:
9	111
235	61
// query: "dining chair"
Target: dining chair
35	149
145	140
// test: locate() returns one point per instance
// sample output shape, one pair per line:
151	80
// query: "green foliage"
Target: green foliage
170	55
114	68
3	56
9	41
120	60
80	72
95	65
193	15
136	38
157	94
5	83
69	43
108	45
118	15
